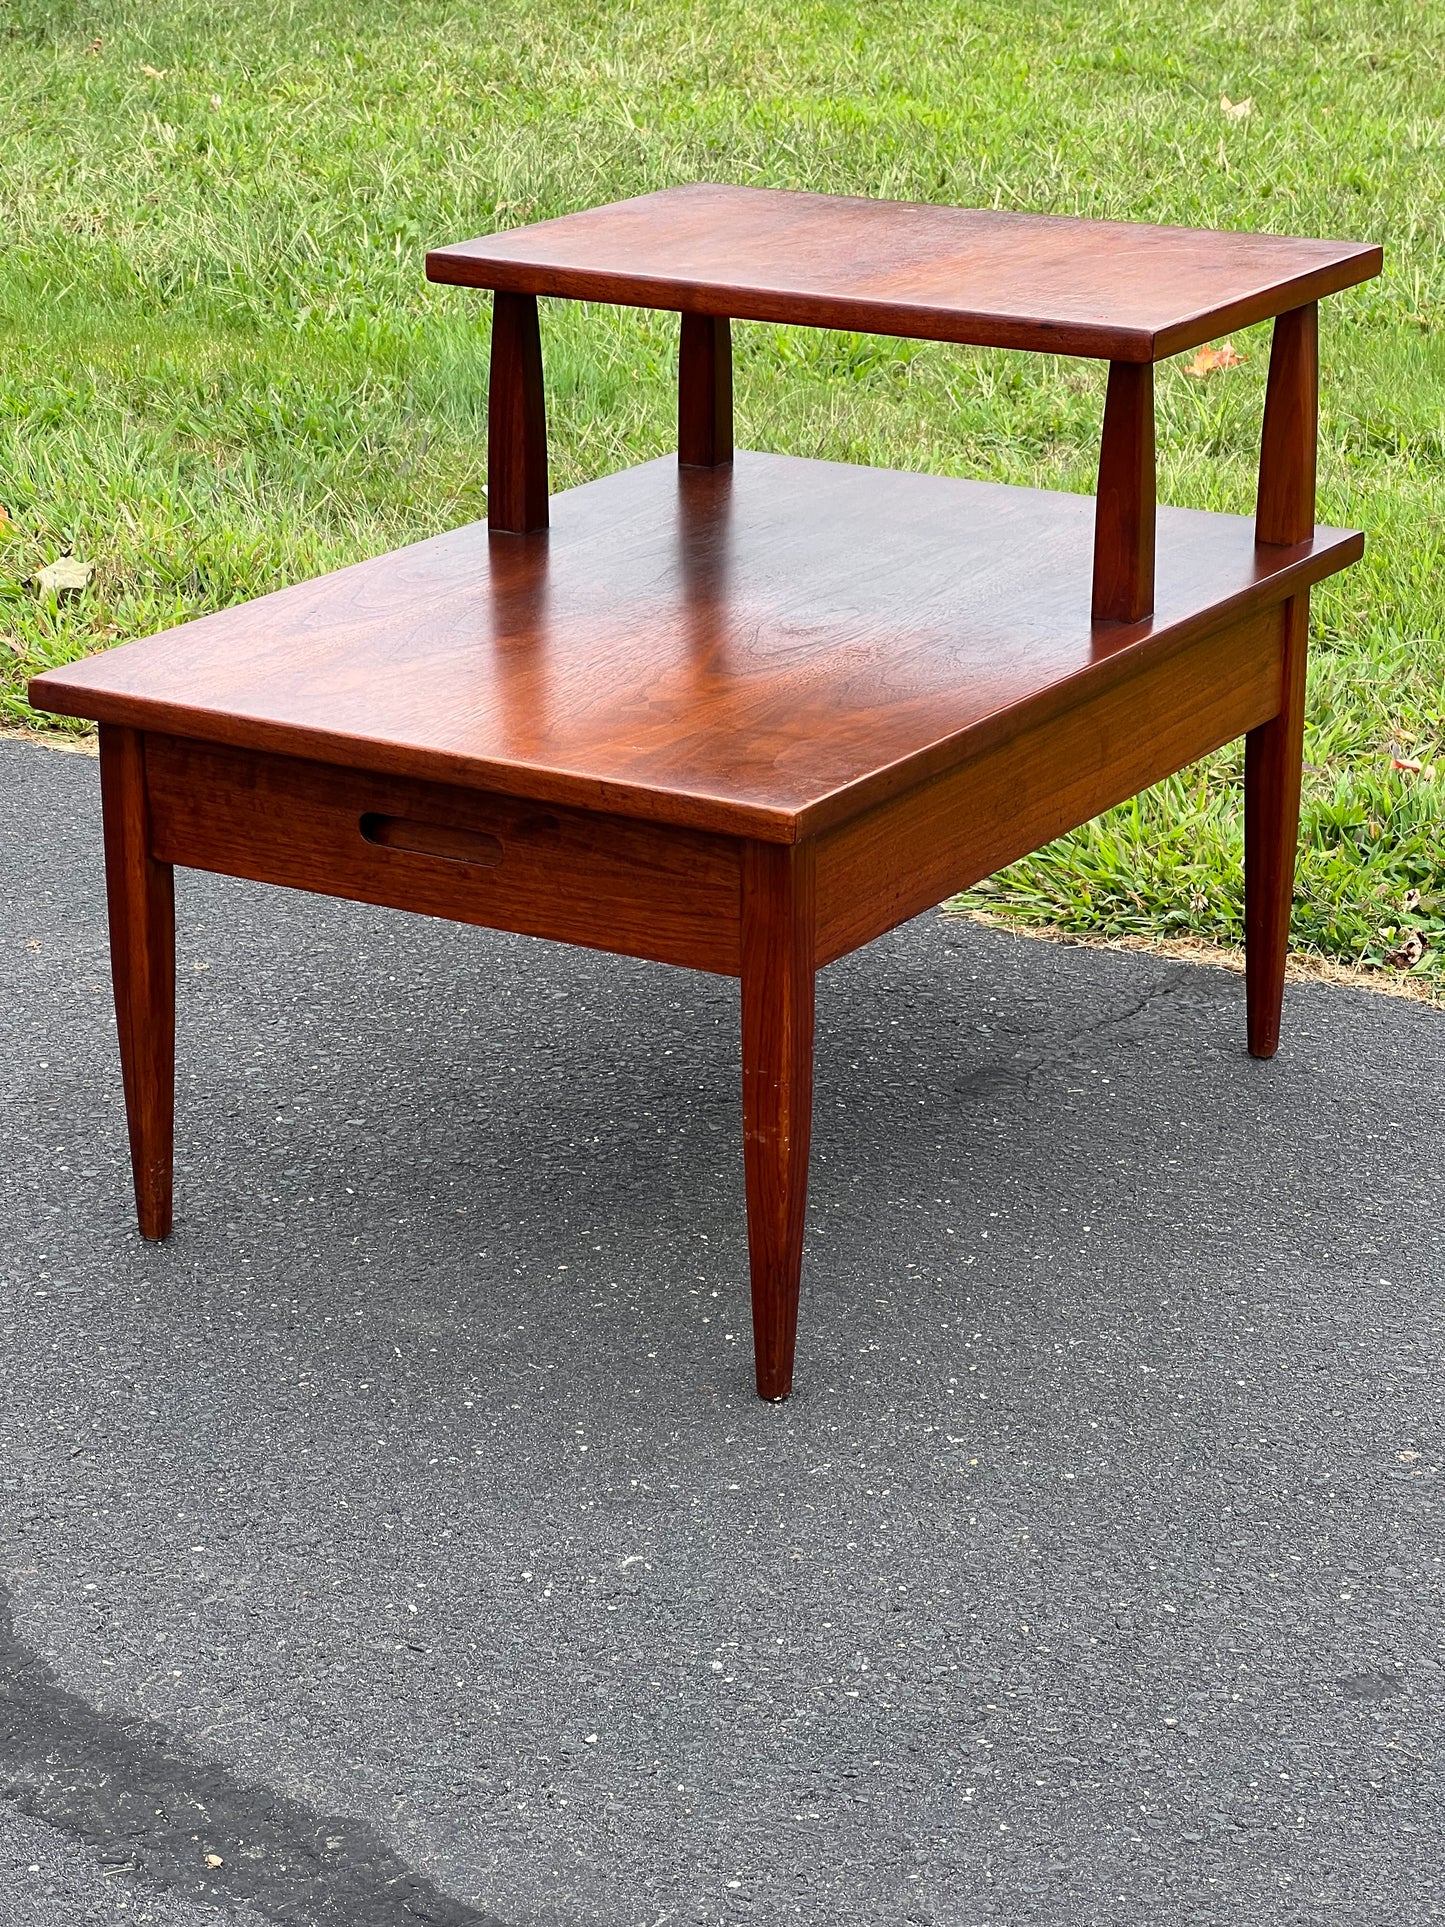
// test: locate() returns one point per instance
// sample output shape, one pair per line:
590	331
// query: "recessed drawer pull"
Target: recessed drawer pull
432	839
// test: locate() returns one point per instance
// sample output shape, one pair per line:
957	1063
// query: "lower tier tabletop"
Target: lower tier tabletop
761	650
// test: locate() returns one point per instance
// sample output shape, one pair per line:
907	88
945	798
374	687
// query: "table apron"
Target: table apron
877	870
607	882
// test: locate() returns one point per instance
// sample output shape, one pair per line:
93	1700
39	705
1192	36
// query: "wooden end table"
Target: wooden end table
744	712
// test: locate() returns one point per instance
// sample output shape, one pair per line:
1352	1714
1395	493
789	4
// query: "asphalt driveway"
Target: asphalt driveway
403	1542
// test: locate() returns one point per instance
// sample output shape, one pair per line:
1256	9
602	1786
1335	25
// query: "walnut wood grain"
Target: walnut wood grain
640	889
141	900
705	391
913	851
777	1035
516	419
1273	757
761	649
1124	515
1113	289
1285	510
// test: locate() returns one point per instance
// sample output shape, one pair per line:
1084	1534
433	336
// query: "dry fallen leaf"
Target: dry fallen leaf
1412	766
68	576
1208	359
1408	952
95	45
4	516
215	100
214	1860
153	73
1236	109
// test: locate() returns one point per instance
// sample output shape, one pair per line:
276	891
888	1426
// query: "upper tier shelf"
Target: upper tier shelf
1113	290
760	650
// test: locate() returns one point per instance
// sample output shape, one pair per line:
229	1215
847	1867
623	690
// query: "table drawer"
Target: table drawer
609	882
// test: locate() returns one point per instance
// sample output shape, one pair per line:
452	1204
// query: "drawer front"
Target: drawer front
609	882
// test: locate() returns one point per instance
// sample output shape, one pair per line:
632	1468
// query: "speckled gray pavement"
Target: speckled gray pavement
403	1541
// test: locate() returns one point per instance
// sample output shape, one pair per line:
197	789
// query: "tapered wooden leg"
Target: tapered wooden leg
1273	753
1273	756
1285	506
516	419
705	391
777	998
141	900
1124	509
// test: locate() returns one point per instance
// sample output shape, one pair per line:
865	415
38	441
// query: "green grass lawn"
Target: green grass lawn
222	369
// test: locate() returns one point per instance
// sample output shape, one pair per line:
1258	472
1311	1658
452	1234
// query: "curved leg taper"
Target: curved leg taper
777	1000
141	899
1273	757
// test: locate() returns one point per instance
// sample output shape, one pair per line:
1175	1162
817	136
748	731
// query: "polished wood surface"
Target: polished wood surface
760	650
1285	511
778	941
705	391
516	420
1113	289
1125	508
141	901
576	876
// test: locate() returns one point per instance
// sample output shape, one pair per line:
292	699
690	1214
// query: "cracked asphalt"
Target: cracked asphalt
403	1542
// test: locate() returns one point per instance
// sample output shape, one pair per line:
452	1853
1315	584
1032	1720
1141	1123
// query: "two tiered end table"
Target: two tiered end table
745	712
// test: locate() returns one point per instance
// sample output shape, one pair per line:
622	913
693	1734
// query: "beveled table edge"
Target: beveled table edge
467	264
1329	551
